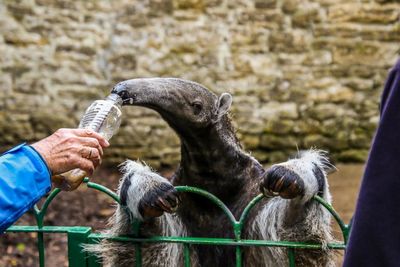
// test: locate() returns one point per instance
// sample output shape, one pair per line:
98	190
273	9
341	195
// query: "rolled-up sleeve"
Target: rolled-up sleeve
24	179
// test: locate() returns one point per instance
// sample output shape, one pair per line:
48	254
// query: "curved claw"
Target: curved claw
283	182
149	211
162	199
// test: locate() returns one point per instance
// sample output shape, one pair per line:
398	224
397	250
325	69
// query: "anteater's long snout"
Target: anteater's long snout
146	91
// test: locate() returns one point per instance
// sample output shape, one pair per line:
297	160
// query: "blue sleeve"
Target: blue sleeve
24	179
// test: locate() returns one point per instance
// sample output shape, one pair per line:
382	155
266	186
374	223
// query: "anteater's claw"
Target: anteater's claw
283	182
163	198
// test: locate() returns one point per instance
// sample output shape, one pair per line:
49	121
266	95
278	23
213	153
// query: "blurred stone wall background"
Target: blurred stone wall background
303	73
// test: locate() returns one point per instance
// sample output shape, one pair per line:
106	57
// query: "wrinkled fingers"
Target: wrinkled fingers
86	165
91	142
89	133
91	154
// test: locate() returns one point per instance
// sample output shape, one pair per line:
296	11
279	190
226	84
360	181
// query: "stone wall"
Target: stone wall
303	73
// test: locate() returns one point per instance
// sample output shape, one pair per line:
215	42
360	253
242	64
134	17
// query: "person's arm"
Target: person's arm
25	171
24	179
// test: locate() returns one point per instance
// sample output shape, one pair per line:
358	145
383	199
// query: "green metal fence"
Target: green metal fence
79	235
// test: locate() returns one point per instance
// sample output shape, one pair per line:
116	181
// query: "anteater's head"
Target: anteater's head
185	105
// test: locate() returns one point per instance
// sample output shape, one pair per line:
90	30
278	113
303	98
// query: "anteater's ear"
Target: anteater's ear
223	104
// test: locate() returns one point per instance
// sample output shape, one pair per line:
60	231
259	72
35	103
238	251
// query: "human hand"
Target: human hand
68	149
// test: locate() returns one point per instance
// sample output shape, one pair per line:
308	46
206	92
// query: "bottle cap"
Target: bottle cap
115	98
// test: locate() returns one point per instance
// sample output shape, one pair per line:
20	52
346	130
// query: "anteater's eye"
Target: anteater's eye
197	107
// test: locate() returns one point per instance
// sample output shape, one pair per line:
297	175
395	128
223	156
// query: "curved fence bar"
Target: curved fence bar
247	210
343	227
46	204
103	189
79	235
39	215
209	196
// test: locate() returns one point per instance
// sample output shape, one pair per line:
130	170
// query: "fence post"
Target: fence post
292	260
77	236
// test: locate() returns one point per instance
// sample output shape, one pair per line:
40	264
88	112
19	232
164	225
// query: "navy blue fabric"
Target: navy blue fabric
24	179
375	235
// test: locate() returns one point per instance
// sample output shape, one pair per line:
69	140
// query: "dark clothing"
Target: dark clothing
375	235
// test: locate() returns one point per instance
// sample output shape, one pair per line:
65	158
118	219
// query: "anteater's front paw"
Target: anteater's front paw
303	176
283	182
161	198
145	193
